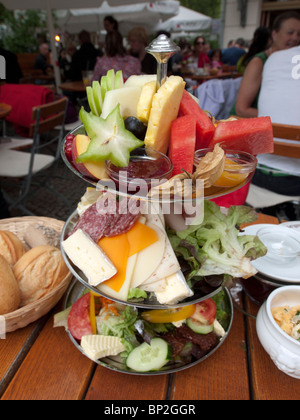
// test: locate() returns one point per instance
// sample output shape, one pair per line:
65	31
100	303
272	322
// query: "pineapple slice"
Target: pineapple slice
164	110
145	101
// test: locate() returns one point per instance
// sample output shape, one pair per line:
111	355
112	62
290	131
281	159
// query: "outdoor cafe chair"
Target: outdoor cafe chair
262	198
33	169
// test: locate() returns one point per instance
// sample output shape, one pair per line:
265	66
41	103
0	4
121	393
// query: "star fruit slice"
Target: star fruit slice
109	138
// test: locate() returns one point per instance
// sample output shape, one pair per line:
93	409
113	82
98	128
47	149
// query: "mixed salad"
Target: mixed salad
146	341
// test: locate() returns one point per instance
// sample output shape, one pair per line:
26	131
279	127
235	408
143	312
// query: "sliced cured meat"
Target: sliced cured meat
205	341
107	217
78	320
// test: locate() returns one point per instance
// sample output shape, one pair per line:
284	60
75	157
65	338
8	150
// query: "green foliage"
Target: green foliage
19	30
210	8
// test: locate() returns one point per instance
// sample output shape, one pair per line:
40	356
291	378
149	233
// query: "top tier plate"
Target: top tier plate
244	174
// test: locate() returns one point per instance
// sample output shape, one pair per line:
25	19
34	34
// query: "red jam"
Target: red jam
144	168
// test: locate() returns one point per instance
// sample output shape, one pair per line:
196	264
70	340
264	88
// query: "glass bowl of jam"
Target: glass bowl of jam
147	168
238	171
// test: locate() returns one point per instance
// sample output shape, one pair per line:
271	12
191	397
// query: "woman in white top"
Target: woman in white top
280	99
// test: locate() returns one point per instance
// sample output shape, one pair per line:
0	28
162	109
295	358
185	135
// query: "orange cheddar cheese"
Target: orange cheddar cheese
119	248
140	237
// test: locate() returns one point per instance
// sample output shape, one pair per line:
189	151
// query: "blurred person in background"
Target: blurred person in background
231	55
285	35
262	40
116	57
110	24
42	61
138	40
280	100
197	58
84	58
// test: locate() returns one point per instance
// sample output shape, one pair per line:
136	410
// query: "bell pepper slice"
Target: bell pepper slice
159	316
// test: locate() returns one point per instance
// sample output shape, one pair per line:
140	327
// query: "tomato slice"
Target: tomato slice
205	312
160	316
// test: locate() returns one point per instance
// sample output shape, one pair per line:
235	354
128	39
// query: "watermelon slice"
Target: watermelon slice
251	135
182	144
205	128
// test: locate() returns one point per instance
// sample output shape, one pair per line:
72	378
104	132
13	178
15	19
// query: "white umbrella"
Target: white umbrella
186	20
136	14
49	5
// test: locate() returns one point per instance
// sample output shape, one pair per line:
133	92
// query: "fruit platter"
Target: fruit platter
148	248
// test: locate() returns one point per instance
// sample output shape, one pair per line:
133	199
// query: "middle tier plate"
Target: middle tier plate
150	302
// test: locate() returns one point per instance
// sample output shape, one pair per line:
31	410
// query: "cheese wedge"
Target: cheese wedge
174	291
165	107
98	346
89	258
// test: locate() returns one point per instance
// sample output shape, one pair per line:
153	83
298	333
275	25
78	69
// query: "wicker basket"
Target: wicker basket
35	310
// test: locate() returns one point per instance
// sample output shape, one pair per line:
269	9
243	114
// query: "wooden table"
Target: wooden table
78	86
40	363
204	78
5	109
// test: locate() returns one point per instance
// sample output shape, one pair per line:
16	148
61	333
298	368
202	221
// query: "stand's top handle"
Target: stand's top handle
162	48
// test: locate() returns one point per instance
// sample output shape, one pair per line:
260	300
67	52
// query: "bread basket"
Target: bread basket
35	310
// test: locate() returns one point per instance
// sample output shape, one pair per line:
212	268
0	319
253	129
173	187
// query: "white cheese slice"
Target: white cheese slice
149	258
176	289
169	265
218	329
98	346
122	294
89	258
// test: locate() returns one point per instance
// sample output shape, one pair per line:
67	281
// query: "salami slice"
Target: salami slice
108	217
78	319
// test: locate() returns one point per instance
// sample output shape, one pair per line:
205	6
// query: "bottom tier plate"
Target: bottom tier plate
115	363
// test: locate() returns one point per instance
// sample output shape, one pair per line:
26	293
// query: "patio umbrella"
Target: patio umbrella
136	14
186	20
49	5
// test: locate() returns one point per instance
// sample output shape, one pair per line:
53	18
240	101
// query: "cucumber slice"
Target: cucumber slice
199	328
146	358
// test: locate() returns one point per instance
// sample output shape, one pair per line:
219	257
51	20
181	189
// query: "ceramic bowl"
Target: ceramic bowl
282	242
283	349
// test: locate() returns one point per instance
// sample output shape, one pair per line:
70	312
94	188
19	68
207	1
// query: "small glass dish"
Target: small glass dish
283	243
147	168
238	171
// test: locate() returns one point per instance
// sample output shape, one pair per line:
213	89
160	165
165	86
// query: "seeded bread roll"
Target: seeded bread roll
11	248
9	290
38	272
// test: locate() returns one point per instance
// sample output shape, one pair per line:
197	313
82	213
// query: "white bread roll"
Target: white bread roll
9	290
11	248
38	272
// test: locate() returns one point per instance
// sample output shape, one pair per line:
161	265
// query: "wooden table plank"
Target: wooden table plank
53	370
110	385
12	351
268	382
223	376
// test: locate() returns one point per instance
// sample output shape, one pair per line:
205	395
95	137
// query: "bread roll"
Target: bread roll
9	291
11	248
38	272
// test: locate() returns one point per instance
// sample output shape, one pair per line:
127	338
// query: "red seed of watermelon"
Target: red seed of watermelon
205	128
251	135
182	144
78	319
